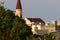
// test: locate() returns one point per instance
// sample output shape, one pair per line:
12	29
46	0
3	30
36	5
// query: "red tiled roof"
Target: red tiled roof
36	20
18	6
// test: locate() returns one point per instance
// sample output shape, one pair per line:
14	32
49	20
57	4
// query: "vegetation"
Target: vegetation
49	36
12	27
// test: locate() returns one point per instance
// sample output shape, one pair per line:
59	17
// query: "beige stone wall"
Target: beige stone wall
33	25
27	22
50	27
18	12
39	27
58	22
36	27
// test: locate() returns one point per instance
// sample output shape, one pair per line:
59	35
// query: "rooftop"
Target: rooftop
36	20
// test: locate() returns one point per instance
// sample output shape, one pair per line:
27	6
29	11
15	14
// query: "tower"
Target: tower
18	9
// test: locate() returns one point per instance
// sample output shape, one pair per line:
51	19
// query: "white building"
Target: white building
50	27
35	24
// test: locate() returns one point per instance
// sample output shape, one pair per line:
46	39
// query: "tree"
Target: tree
12	27
20	29
49	37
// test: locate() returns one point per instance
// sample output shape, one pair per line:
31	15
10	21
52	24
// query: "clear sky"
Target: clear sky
46	9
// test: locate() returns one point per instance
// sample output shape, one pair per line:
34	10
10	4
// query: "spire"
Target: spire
18	6
18	9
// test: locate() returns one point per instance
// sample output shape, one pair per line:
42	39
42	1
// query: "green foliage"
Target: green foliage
12	27
50	37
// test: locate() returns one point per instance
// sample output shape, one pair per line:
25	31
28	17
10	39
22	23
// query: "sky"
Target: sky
45	9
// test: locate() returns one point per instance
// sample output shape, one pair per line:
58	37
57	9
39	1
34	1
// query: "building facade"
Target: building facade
35	23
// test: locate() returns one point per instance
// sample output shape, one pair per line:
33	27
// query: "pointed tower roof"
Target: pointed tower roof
18	6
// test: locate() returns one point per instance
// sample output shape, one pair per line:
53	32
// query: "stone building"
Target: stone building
35	23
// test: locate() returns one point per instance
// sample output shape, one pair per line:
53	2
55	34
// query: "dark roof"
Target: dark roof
36	20
18	6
